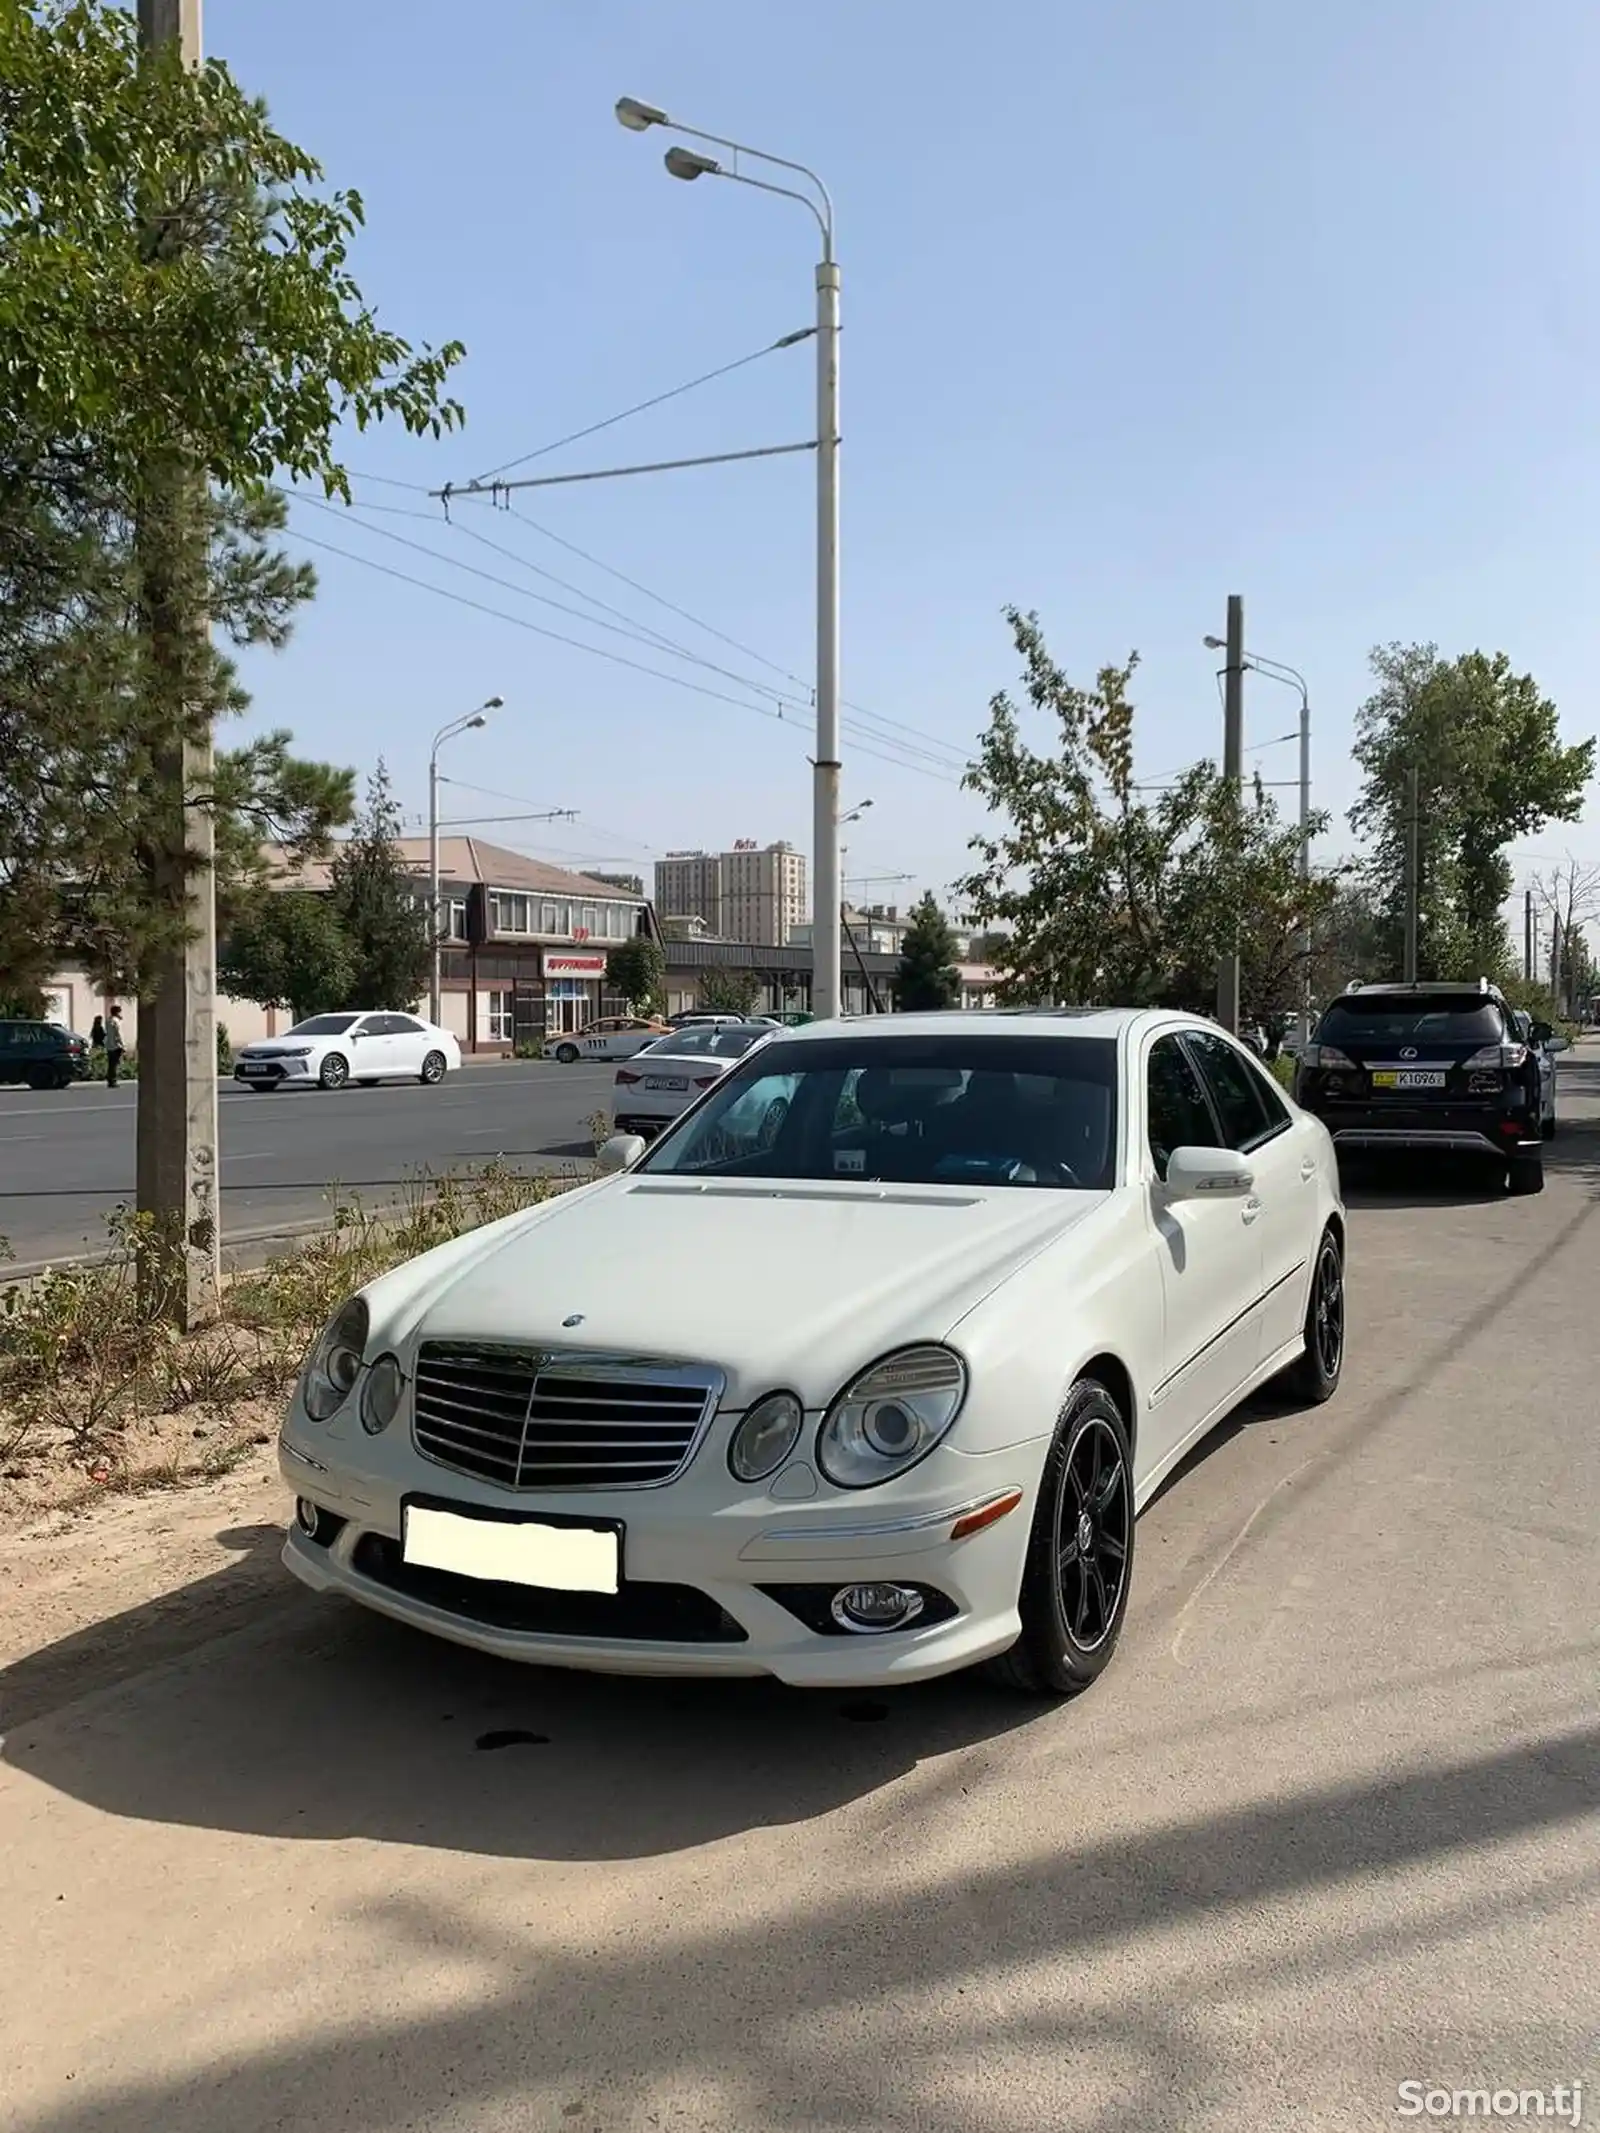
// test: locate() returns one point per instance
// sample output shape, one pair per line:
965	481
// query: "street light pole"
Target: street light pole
464	724
827	896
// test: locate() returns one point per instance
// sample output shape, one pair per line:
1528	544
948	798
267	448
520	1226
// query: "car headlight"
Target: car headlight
335	1361
891	1416
381	1391
296	1051
766	1437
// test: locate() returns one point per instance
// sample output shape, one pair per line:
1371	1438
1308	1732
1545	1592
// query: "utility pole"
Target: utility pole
1233	771
1413	877
177	1172
1527	935
827	891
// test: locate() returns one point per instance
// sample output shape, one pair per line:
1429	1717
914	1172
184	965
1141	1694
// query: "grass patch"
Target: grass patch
94	1385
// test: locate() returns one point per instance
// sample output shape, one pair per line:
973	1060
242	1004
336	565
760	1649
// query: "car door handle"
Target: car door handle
1250	1210
1308	1170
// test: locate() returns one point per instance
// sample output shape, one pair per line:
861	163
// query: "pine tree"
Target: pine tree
376	899
927	976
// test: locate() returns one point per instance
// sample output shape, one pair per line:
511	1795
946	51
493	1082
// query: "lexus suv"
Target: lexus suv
1438	1068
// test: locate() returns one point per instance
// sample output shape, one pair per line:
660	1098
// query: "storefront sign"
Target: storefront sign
566	965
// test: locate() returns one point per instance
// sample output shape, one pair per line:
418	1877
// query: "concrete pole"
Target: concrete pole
1233	771
435	958
1307	943
1527	935
1413	877
827	890
176	1167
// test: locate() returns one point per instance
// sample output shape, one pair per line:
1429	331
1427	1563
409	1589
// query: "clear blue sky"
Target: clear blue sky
1144	304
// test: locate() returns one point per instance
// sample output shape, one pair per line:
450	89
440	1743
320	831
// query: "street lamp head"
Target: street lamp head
637	117
477	719
1215	644
684	163
494	703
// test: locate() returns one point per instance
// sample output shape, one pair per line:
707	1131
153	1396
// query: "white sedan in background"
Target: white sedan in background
327	1051
612	1037
668	1076
859	1375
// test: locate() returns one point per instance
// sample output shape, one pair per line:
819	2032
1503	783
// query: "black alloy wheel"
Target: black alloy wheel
1079	1566
1314	1377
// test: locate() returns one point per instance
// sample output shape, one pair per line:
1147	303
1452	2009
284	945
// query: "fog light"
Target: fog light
871	1608
307	1516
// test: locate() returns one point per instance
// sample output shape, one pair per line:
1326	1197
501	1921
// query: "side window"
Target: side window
1240	1094
402	1026
1178	1114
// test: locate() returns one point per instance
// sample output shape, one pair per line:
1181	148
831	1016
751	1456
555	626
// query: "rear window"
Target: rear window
1436	1019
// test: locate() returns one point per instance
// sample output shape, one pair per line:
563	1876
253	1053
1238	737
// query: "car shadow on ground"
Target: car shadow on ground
312	1718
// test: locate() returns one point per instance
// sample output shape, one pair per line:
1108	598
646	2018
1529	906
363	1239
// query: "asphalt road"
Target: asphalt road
67	1158
1331	1824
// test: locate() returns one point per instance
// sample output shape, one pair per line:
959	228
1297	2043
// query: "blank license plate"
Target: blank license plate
1410	1078
249	1068
513	1552
675	1082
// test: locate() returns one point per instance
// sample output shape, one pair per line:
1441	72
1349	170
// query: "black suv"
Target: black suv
42	1054
1437	1068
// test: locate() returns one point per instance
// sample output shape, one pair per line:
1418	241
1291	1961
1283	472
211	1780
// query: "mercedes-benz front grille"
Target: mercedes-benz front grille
541	1419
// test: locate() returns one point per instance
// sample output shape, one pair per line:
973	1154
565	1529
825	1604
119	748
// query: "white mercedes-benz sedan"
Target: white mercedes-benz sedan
859	1374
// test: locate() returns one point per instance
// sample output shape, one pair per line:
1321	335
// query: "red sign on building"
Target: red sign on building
562	963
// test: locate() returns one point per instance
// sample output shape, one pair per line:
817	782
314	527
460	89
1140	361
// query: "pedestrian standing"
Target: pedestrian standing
97	1034
114	1046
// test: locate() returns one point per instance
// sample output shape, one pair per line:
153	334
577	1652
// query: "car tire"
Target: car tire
335	1071
1526	1176
567	1054
434	1069
1065	1593
1314	1377
1547	1127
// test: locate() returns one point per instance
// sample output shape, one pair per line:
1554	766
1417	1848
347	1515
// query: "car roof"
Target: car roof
1480	988
1025	1022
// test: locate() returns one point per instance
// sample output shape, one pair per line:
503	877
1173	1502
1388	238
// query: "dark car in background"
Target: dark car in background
1441	1069
42	1054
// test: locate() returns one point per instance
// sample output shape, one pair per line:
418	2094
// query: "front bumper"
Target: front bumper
273	1073
701	1560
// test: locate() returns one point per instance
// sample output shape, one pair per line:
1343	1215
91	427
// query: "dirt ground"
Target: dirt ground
69	1574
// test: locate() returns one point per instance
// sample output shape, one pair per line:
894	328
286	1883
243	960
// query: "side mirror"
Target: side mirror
1207	1174
621	1152
1541	1033
1556	1044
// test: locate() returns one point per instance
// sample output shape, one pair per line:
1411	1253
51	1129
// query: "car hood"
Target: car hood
795	1284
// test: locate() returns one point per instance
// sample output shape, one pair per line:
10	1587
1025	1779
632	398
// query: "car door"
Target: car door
411	1045
1209	1257
372	1048
1259	1124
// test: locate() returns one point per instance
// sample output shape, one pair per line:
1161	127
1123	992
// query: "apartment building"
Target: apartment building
753	893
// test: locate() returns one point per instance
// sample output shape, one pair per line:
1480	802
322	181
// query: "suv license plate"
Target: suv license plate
1410	1078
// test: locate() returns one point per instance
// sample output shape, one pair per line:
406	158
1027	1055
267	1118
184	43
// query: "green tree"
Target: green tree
927	976
178	324
1113	899
377	904
286	948
637	970
730	992
1491	768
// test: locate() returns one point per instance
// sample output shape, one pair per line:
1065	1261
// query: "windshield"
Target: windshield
696	1043
325	1026
946	1110
1434	1019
